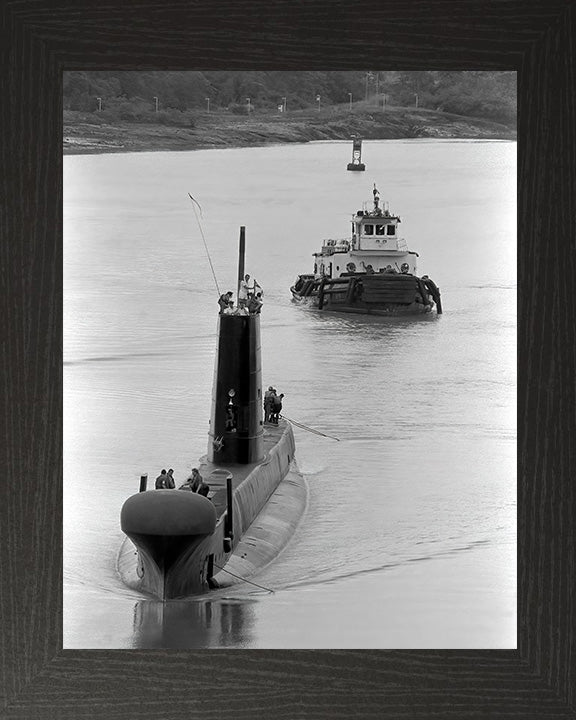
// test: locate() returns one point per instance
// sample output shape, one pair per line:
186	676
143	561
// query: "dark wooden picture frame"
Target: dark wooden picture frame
41	39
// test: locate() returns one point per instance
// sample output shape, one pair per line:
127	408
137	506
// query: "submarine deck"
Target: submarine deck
268	532
215	475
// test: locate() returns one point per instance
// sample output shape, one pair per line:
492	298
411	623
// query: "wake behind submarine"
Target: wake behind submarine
183	539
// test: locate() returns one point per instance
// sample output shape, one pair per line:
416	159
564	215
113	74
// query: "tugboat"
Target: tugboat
372	273
183	538
356	163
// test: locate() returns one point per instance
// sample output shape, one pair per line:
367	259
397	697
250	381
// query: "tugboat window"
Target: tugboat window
368	229
391	229
380	229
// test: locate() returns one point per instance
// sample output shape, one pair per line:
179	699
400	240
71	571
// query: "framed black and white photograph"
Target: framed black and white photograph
288	361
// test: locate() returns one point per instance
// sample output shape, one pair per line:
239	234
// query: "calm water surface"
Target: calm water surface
409	536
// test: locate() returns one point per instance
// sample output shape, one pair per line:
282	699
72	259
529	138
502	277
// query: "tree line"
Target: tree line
173	97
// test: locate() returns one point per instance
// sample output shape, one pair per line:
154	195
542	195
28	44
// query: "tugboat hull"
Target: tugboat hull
376	294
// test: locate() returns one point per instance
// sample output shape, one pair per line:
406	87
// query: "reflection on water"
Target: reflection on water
192	624
354	327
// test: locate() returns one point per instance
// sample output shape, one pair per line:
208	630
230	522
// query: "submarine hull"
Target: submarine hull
182	539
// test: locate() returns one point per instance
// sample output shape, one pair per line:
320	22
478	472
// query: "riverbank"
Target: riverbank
92	133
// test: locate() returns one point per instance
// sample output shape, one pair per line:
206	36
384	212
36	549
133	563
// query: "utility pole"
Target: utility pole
318	101
99	104
208	104
284	104
367	76
350	96
156	101
416	96
249	106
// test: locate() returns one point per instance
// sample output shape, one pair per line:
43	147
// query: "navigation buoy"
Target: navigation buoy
356	163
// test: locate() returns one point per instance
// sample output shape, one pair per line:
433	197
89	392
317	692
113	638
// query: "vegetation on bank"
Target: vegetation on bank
119	111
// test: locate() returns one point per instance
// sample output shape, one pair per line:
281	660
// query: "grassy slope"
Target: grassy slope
222	129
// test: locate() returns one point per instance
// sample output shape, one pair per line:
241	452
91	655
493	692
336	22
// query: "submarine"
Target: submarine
181	543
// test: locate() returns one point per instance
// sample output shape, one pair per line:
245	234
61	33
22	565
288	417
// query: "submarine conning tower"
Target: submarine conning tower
236	429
